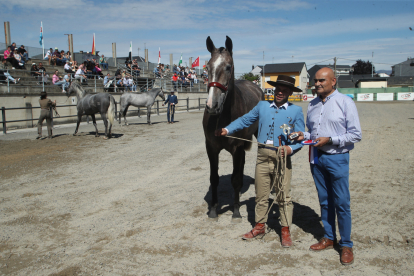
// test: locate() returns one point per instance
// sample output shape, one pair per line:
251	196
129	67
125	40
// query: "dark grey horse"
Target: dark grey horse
90	104
227	100
145	99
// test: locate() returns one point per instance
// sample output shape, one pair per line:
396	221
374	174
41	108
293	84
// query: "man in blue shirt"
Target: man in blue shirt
172	101
271	117
333	123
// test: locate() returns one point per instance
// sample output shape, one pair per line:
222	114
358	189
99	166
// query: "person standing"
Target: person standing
45	113
332	122
172	101
271	116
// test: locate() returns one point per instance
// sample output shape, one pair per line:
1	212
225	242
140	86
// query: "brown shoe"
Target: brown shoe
347	255
323	244
257	232
286	240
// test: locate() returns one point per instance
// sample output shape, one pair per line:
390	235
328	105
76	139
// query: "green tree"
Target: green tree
249	76
362	67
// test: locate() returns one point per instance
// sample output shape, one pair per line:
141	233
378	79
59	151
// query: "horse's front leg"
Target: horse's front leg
149	115
124	112
77	124
213	157
237	180
95	125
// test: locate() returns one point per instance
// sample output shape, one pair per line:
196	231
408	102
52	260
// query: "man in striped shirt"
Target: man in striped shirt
332	122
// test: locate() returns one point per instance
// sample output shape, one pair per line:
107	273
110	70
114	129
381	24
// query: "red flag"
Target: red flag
93	45
196	63
159	55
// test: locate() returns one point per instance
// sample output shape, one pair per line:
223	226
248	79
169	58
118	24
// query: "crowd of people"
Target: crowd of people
186	77
17	57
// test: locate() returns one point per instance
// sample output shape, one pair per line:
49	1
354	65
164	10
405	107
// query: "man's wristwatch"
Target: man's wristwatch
330	141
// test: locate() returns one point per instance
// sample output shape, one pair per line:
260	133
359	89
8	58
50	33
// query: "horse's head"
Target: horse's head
220	75
75	88
71	89
161	94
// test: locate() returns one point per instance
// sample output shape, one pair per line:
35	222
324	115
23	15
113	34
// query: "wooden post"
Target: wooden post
3	117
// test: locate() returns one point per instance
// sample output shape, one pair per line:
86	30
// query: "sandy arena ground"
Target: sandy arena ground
137	204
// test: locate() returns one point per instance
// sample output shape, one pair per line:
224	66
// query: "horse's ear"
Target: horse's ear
210	45
229	45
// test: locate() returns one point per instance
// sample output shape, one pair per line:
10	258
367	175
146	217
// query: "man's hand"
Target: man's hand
300	136
321	141
220	132
171	103
285	149
162	104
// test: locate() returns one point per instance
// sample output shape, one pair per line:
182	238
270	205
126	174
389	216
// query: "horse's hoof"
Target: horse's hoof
74	134
96	135
105	138
236	220
213	219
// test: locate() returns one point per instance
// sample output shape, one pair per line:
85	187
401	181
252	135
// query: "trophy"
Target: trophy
288	128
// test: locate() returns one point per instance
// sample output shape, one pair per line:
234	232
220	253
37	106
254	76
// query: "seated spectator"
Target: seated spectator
68	79
22	51
44	76
135	69
7	77
118	74
68	68
80	74
97	71
13	47
194	76
57	57
68	56
34	72
59	81
49	55
89	67
126	83
103	62
133	85
19	59
157	72
8	57
63	57
74	66
120	84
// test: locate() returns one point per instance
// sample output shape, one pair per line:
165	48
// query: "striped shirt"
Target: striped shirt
337	118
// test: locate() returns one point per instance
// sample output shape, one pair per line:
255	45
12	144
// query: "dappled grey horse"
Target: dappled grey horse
145	99
90	104
227	100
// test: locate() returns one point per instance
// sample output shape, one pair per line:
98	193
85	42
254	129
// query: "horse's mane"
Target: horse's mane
77	87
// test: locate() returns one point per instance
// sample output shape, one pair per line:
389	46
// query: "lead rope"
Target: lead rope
278	176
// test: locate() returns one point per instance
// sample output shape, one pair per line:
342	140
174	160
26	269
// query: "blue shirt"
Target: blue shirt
171	99
337	118
270	119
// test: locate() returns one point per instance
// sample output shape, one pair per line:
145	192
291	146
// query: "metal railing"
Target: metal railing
4	121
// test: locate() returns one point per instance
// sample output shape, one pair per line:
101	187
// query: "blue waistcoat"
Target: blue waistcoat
171	99
270	120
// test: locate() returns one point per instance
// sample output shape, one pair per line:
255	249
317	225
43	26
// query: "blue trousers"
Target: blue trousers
331	176
172	113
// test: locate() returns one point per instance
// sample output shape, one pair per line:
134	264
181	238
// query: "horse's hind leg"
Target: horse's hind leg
237	180
77	124
105	120
124	112
94	123
213	157
149	115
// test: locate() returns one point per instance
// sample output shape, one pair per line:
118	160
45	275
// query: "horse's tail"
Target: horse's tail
111	113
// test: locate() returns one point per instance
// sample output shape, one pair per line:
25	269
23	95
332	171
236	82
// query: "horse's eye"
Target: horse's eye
228	67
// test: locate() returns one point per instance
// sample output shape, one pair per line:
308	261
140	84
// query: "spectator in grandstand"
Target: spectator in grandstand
13	47
59	81
68	68
80	74
174	80
49	55
8	57
34	71
133	85
22	51
8	77
103	62
126	83
97	71
63	57
89	66
44	76
57	57
19	59
68	56
157	72
135	68
106	79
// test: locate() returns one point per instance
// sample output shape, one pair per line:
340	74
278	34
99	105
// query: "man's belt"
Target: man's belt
269	148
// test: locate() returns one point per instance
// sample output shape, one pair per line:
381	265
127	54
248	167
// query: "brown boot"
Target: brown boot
347	255
257	232
286	240
323	244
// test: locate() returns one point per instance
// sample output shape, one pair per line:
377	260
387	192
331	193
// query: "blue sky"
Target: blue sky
287	31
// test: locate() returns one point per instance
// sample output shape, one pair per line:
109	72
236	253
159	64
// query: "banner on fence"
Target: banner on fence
366	97
308	97
385	96
408	96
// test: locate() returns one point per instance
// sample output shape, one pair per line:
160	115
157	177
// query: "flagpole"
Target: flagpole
43	41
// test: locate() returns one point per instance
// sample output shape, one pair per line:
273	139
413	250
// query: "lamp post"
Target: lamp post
138	51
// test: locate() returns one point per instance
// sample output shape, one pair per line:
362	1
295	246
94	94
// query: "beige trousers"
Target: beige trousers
44	114
266	162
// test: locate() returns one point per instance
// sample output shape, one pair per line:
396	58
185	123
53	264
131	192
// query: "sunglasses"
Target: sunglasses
320	80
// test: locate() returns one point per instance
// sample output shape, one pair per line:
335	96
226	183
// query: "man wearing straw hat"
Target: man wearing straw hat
273	170
172	101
